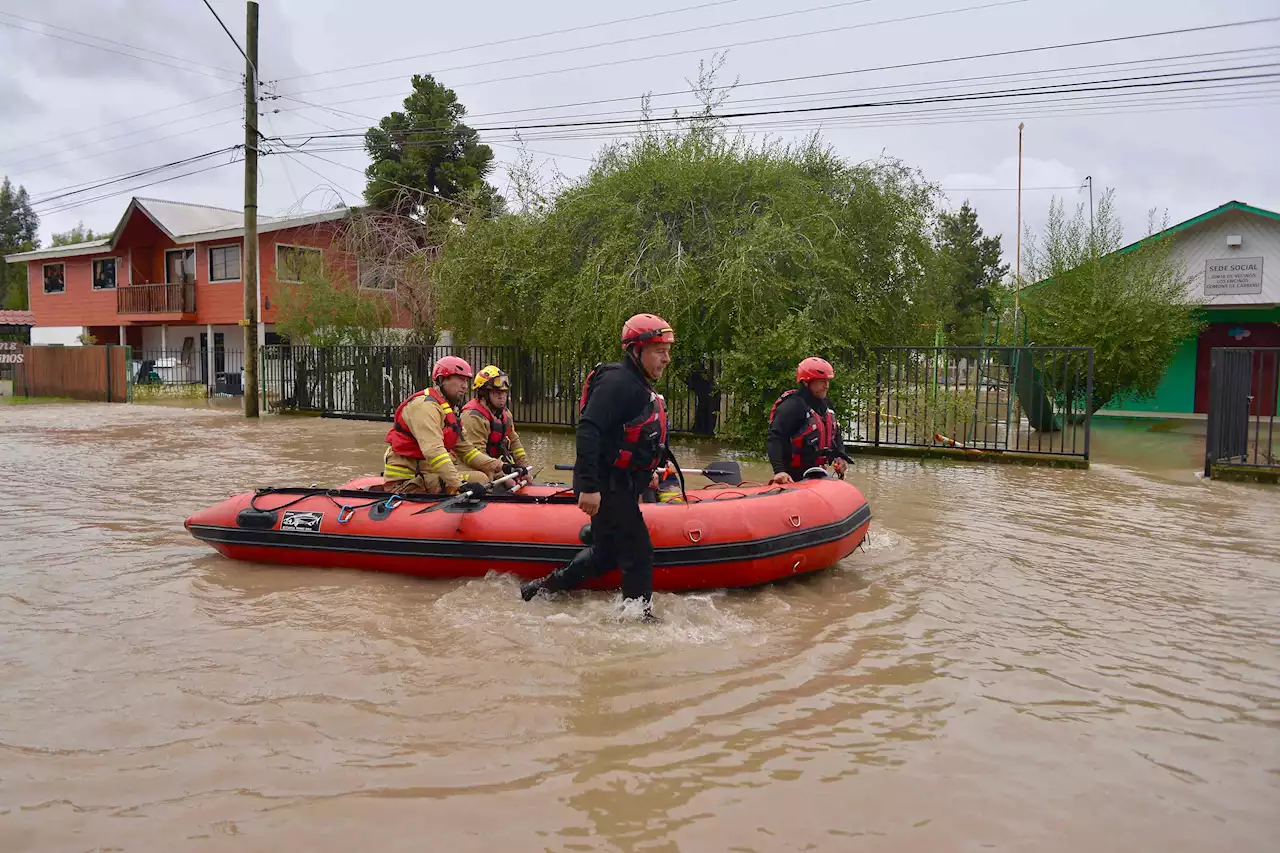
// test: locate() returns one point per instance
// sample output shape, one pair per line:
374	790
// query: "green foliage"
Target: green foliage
78	234
759	255
970	272
325	309
1131	306
19	232
426	161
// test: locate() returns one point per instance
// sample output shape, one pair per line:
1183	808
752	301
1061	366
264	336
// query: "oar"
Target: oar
457	499
718	472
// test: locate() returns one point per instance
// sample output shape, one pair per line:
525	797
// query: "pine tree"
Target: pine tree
970	264
426	160
19	232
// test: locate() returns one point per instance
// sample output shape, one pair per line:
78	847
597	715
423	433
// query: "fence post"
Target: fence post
875	355
1088	405
106	350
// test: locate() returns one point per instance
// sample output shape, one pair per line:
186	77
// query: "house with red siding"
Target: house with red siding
170	277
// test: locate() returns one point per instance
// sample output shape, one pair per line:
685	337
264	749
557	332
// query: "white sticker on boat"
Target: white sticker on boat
300	520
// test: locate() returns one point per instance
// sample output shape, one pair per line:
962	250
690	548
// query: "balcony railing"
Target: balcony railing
179	298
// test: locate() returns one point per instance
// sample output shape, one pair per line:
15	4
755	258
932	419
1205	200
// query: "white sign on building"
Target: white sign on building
1232	276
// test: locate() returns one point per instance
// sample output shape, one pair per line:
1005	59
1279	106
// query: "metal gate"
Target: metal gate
1244	384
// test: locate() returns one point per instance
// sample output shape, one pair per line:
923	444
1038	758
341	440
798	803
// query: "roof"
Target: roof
183	223
1229	207
17	318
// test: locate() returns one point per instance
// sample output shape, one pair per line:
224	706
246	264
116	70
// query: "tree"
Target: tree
759	254
19	232
1131	304
426	161
78	234
970	272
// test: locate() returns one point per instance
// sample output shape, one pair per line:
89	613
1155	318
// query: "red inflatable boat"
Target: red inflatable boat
724	537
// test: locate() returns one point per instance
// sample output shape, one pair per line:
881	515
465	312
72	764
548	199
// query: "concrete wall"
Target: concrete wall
67	336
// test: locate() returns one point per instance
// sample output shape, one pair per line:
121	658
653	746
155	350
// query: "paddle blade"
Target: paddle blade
723	472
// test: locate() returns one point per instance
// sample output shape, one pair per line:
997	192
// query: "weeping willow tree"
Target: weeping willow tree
758	254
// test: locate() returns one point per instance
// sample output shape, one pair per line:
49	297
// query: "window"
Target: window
224	263
55	279
179	265
104	273
293	262
376	277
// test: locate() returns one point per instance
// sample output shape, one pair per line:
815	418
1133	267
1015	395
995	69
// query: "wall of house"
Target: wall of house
141	253
1208	242
78	304
1176	392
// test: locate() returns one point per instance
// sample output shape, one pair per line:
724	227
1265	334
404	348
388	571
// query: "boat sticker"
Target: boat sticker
302	521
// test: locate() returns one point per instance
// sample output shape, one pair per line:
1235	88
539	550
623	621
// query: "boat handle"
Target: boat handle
794	519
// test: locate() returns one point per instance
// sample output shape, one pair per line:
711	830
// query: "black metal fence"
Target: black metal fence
1244	385
1009	399
219	373
368	382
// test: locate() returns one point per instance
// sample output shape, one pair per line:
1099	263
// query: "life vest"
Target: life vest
498	444
401	439
811	445
644	437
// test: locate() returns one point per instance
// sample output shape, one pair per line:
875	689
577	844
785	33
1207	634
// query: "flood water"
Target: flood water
1021	659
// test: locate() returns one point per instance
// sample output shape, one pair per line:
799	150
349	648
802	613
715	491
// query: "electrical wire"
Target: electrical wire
921	86
74	205
167	109
615	62
118	52
512	40
132	146
218	18
616	42
76	189
895	67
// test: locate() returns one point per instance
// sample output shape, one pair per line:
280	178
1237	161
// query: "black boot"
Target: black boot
563	578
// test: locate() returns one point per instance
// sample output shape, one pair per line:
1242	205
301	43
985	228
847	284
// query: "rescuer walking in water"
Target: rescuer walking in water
621	442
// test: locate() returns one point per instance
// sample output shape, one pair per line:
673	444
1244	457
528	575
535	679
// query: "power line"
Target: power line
55	155
560	32
925	85
131	146
85	202
1091	101
894	67
117	43
76	189
167	109
1121	83
119	52
614	43
218	17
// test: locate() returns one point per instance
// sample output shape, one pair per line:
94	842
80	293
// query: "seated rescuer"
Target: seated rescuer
802	426
622	440
426	436
487	422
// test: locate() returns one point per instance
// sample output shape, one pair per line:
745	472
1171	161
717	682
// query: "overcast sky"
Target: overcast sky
74	115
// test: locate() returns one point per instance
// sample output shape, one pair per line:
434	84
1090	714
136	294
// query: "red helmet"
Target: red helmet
646	329
451	365
814	368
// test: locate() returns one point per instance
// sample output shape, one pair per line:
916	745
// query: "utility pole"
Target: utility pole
250	321
1017	276
1088	179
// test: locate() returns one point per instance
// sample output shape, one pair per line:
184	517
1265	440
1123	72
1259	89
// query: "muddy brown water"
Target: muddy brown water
1021	659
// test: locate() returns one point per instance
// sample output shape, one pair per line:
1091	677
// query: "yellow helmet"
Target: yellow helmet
491	376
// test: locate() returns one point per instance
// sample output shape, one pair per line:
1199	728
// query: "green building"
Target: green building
1232	256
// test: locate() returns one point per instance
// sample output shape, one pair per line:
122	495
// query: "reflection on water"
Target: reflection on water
1017	659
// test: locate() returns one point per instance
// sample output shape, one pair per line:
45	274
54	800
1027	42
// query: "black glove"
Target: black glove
508	468
474	490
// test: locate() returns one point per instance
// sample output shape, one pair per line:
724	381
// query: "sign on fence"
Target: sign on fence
10	352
